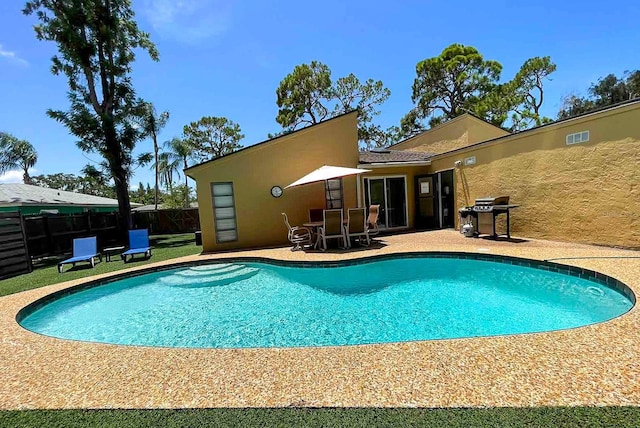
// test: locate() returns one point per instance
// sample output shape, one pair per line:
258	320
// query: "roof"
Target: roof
546	125
152	207
271	140
17	194
448	122
385	156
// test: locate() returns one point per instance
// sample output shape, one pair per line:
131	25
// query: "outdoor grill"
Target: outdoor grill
484	213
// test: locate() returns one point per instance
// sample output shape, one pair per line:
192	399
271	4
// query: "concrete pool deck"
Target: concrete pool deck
593	365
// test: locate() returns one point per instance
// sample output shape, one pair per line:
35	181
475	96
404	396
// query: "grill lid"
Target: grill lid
490	200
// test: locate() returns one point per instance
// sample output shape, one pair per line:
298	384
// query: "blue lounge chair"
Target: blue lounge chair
138	244
84	250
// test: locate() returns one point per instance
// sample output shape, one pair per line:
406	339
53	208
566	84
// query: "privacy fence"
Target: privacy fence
168	221
24	238
14	256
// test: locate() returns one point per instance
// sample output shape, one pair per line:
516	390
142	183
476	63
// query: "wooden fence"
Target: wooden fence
14	255
53	234
168	221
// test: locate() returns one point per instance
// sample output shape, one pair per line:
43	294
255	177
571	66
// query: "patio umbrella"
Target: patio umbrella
326	172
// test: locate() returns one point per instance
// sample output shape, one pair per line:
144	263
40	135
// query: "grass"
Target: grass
498	417
45	272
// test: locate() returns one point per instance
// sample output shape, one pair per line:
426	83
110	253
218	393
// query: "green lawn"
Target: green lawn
45	272
579	417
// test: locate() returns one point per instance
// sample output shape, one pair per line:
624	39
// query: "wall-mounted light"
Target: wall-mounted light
457	163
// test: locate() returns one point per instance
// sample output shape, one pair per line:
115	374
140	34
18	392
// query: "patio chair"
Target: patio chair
298	235
332	227
138	244
84	250
356	226
372	221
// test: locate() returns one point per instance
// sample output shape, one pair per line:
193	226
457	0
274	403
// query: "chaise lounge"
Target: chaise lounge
84	250
138	244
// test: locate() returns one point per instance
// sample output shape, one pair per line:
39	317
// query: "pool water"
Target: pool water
238	305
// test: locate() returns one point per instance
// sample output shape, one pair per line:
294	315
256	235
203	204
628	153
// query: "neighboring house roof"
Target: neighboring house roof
17	194
271	140
386	156
160	207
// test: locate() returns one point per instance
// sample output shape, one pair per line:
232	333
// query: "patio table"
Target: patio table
109	251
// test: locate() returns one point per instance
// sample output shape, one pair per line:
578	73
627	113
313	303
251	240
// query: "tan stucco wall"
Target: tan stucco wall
587	192
453	134
278	162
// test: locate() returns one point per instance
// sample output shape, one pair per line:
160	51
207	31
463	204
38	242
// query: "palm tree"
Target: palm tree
15	153
166	170
180	151
151	124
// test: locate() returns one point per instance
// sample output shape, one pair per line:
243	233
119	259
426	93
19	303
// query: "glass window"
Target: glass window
224	212
333	193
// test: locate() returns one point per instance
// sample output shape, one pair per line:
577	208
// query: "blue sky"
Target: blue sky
227	57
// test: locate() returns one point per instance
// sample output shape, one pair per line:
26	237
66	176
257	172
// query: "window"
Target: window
578	137
333	191
224	212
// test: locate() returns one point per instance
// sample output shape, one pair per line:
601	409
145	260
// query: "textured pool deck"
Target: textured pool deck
592	365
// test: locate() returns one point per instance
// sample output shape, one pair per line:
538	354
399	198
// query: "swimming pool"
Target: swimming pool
248	303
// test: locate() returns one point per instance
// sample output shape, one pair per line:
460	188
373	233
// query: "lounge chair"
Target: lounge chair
138	244
372	221
84	250
356	226
332	227
298	235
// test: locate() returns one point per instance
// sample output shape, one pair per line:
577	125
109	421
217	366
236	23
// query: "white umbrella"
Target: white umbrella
325	173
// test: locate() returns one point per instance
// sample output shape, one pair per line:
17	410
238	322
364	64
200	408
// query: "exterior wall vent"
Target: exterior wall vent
578	137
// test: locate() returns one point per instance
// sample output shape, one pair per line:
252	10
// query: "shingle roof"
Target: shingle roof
386	156
26	194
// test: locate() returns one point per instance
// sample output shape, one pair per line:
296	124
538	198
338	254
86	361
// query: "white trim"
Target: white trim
358	194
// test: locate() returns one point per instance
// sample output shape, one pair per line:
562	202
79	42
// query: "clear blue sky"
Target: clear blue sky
227	57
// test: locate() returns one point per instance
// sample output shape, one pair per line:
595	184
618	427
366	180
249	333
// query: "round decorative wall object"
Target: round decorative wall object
276	191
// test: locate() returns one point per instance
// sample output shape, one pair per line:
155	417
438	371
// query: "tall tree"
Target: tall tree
212	137
152	123
17	154
96	40
301	96
450	84
179	151
166	169
308	96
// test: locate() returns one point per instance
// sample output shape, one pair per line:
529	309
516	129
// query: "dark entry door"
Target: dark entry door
426	202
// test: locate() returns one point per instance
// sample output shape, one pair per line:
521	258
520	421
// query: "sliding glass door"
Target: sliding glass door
391	194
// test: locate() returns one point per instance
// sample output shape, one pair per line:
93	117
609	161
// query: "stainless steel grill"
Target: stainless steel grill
484	213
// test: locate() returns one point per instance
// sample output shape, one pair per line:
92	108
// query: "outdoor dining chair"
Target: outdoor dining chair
298	235
372	221
332	227
356	226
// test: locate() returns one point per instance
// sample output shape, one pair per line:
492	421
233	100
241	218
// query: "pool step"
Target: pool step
212	279
212	269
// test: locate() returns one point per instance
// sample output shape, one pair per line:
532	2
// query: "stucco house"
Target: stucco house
574	180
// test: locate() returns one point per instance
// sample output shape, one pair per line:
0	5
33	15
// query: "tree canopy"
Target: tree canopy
152	123
460	80
212	137
96	41
308	96
17	154
606	91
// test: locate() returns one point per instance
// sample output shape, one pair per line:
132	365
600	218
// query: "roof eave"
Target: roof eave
393	164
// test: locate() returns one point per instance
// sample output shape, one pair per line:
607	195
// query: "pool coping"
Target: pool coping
598	364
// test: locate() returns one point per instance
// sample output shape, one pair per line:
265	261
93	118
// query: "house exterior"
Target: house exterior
29	199
574	180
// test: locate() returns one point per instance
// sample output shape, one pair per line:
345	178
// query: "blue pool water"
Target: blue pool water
239	305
